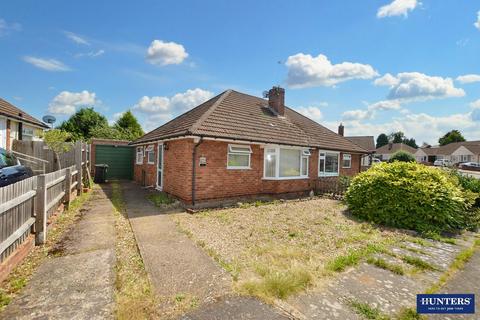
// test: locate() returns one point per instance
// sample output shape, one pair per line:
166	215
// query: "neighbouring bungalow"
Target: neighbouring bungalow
385	152
456	152
16	124
367	143
239	146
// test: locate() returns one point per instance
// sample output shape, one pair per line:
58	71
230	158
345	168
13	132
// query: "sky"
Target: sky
374	65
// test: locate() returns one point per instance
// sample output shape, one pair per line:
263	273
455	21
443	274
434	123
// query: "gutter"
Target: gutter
194	167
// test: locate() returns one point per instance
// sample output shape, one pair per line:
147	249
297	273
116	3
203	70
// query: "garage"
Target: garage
119	159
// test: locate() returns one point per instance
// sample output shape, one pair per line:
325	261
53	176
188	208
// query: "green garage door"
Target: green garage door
118	158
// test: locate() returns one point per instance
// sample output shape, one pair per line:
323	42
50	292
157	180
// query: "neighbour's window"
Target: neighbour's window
286	163
150	154
238	156
27	133
328	163
346	160
139	155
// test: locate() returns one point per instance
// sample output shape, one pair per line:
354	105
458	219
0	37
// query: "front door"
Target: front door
3	133
160	166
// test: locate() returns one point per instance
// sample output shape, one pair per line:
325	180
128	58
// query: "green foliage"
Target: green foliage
128	125
451	136
396	137
382	140
402	156
83	123
57	140
367	311
411	196
410	142
160	198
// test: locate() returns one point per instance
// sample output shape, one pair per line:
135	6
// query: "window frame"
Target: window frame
150	150
350	160
139	152
323	174
231	151
303	153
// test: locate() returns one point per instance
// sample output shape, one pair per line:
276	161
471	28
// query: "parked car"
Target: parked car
442	163
375	161
470	166
11	170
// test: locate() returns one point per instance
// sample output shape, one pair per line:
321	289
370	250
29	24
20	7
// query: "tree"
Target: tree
411	142
128	125
382	140
402	156
451	136
83	123
56	140
397	137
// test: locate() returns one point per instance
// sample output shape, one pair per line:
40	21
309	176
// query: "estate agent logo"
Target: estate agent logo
445	303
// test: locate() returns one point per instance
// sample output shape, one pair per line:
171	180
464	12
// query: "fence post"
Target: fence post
68	187
41	210
78	164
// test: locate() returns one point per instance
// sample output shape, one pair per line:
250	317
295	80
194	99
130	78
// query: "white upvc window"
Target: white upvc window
346	160
27	133
150	154
238	156
285	163
139	158
328	163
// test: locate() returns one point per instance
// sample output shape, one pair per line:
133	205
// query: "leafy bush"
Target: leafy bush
411	196
402	156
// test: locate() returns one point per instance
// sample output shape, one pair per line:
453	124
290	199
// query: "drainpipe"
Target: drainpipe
194	167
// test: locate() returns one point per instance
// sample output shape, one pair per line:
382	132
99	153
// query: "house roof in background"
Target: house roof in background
366	142
239	116
473	146
9	110
394	147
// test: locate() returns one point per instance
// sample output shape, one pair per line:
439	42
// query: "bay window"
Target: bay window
285	163
238	156
328	163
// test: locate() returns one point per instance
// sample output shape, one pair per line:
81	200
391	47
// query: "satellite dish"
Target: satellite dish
49	119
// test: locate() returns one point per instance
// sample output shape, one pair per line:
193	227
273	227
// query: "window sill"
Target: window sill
328	175
150	162
286	178
347	167
239	168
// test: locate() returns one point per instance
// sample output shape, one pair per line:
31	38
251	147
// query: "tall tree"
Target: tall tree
382	140
410	142
451	136
83	123
397	137
129	126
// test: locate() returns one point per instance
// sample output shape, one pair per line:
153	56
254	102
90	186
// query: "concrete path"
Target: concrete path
177	266
78	282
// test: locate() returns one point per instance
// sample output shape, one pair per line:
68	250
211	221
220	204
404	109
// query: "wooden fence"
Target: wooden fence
26	206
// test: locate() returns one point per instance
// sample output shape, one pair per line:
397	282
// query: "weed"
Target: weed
160	198
418	263
179	297
383	264
367	311
409	314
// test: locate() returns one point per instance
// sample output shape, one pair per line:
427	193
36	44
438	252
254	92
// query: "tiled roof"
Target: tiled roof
9	110
394	147
235	115
366	142
448	149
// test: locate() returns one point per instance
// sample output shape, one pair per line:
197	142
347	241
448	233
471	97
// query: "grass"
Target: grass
458	264
160	198
274	250
367	311
418	263
20	276
409	314
383	264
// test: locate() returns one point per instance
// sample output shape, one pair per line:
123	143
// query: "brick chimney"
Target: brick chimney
341	129
276	100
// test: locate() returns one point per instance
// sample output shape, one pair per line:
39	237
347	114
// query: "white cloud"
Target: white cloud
7	28
357	114
91	54
469	78
386	80
371	110
160	109
165	53
397	8
313	113
475	104
477	23
307	71
76	38
46	64
66	102
414	86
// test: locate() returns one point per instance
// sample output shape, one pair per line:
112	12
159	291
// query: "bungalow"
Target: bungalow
456	152
385	152
367	143
236	145
16	124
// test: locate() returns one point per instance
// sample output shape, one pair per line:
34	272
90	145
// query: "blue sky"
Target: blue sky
377	66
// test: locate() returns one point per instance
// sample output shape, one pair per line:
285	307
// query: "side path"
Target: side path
180	271
78	282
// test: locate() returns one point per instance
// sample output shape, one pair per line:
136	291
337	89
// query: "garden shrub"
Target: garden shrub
402	156
412	196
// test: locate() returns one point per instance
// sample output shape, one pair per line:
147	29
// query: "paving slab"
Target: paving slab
77	281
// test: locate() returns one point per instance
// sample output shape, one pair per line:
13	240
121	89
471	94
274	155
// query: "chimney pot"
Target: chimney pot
341	129
276	100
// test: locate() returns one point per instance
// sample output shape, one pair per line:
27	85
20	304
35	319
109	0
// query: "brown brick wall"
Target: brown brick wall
215	181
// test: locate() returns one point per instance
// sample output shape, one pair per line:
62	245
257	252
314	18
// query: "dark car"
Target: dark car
11	170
